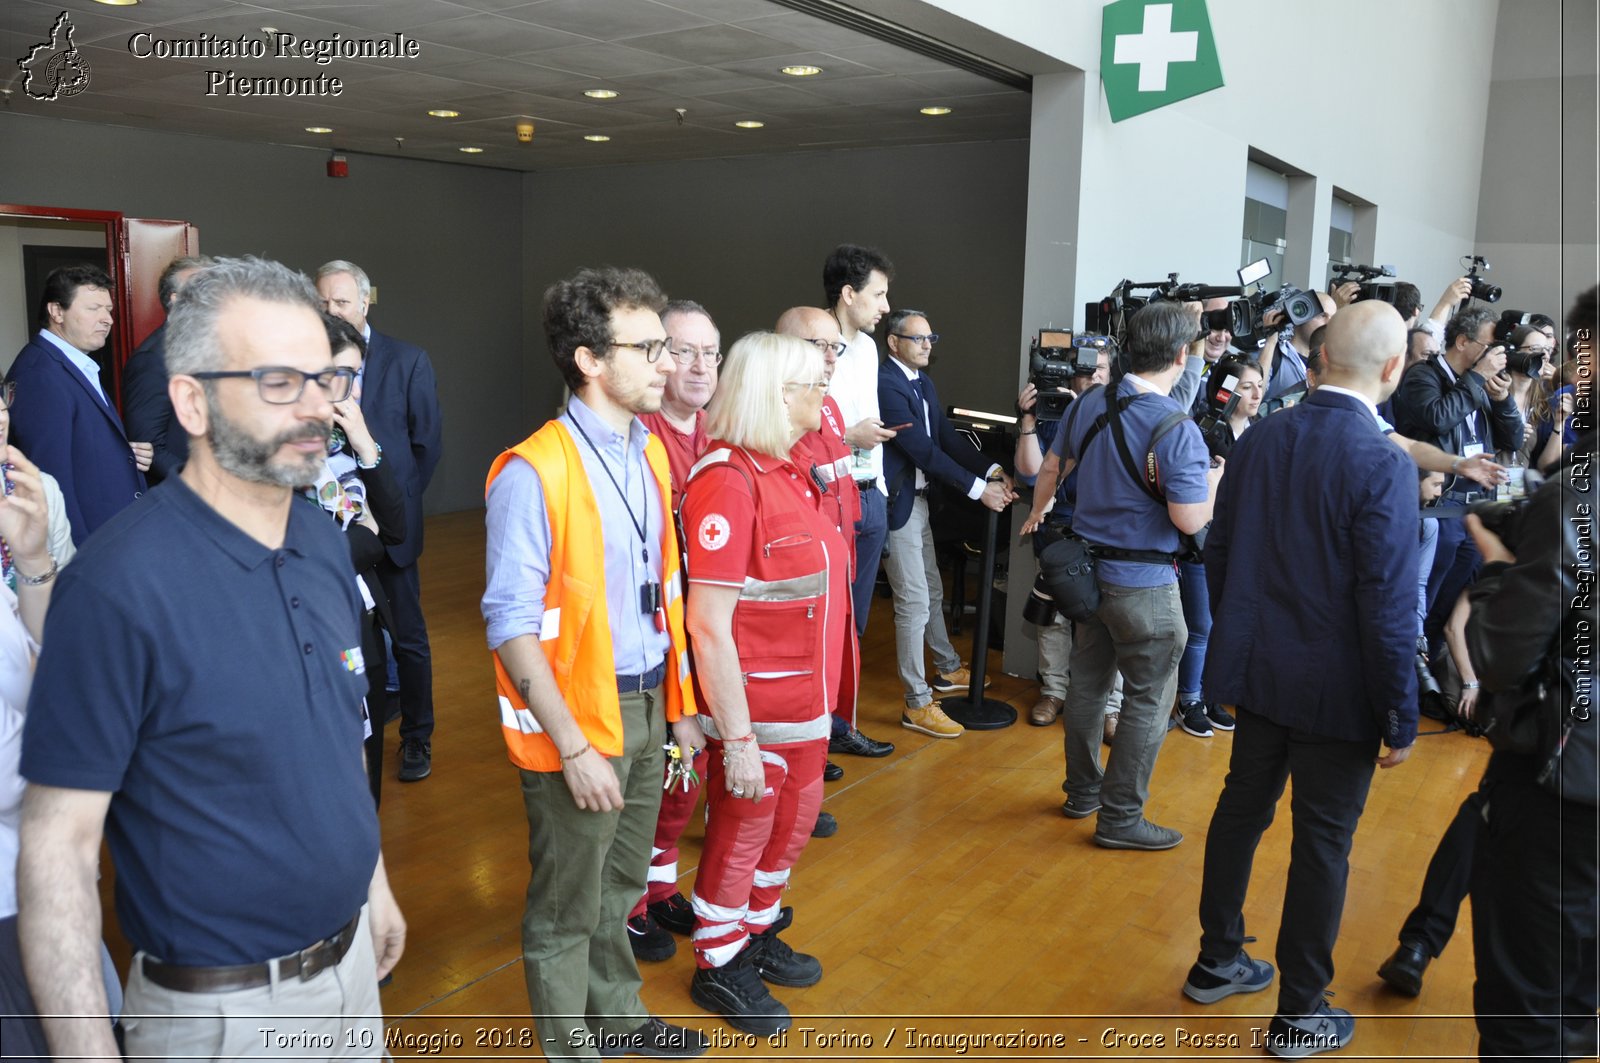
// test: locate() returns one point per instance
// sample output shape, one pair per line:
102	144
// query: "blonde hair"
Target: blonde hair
748	409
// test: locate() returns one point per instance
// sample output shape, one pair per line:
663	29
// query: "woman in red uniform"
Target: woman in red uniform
766	620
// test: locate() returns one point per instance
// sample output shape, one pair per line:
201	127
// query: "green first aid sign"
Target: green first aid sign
1156	52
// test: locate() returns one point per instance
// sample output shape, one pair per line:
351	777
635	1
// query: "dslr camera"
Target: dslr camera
1368	276
1481	289
1222	401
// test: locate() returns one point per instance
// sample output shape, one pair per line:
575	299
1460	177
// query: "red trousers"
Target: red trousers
677	805
751	847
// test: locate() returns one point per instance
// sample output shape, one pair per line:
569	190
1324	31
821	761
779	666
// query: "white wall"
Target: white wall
1385	100
16	317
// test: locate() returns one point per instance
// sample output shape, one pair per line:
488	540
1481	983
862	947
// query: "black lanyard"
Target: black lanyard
650	590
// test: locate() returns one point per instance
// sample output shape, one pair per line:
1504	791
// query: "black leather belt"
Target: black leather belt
306	964
922	492
638	684
866	481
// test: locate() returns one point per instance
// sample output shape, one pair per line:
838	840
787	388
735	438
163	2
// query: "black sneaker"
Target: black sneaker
831	772
1220	717
651	944
777	963
826	826
416	759
674	914
857	744
1192	718
656	1038
735	991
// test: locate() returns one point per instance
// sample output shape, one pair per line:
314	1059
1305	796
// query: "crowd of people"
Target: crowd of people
680	566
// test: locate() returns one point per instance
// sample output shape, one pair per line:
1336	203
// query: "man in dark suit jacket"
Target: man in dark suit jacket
146	407
1313	641
926	448
63	419
400	401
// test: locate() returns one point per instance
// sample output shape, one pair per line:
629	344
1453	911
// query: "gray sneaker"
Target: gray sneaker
1142	835
1327	1029
1210	982
1080	808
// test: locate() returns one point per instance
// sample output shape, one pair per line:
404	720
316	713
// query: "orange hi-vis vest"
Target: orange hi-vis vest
576	632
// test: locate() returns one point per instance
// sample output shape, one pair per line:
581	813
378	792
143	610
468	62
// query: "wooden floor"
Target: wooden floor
955	900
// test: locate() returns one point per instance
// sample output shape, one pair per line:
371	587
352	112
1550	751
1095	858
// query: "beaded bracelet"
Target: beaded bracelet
37	581
574	756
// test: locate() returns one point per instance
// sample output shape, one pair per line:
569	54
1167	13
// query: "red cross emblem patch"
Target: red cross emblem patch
714	531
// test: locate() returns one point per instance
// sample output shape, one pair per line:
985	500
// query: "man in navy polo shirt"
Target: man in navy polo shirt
217	739
1139	627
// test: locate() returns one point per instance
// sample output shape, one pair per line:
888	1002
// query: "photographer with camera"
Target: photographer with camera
1054	499
1530	637
1460	402
1528	358
1283	358
1133	520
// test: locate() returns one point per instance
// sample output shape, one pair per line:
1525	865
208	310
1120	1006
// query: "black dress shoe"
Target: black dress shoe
857	744
826	826
656	1038
1403	971
831	772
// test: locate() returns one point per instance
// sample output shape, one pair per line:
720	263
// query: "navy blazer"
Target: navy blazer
147	408
400	401
945	454
61	423
1311	563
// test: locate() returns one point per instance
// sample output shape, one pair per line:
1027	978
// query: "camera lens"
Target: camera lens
1040	609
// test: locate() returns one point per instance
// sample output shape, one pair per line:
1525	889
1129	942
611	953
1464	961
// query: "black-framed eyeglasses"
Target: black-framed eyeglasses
686	355
929	338
8	394
835	347
282	386
651	349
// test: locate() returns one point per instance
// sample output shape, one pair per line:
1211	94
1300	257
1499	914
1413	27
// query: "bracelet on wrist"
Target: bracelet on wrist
1029	432
1470	686
375	462
40	580
568	757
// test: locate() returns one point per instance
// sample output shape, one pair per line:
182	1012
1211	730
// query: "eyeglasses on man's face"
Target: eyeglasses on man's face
282	386
833	347
651	349
686	354
924	339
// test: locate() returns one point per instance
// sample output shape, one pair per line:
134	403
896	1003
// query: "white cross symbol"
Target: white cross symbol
1156	47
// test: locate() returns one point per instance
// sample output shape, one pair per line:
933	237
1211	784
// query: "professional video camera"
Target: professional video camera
1481	289
1367	275
1054	358
1241	316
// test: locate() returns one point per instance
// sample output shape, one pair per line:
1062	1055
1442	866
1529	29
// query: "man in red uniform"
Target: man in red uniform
695	345
841	499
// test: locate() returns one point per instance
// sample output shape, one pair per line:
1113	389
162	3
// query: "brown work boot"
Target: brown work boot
1045	711
931	720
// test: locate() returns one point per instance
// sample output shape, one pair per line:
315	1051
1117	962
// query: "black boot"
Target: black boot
735	991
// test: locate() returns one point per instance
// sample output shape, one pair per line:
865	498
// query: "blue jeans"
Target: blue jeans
1197	618
1455	567
871	530
1427	547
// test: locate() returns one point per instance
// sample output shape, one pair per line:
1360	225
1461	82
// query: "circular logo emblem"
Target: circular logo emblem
713	531
67	74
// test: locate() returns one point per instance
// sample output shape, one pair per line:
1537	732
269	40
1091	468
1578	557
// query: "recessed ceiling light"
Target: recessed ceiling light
597	138
444	113
800	70
472	151
117	3
935	110
750	124
601	94
318	129
270	31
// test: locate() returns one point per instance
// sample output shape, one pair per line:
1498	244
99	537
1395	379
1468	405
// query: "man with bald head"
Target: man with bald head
1321	679
841	498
